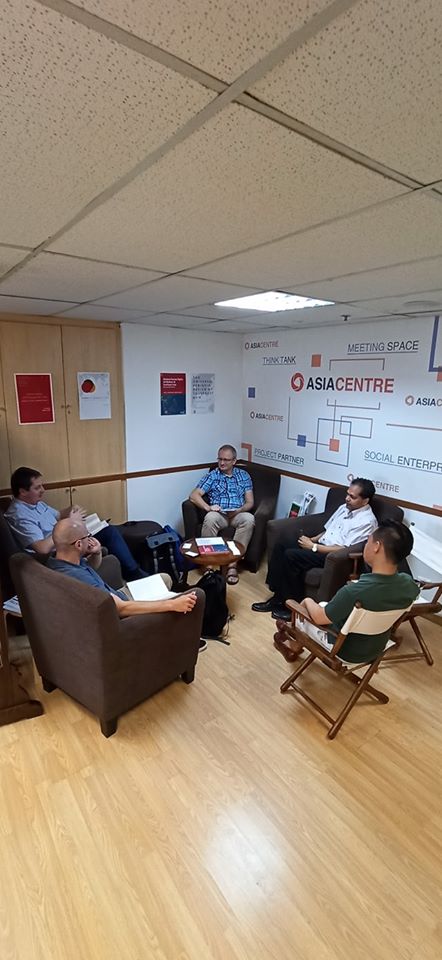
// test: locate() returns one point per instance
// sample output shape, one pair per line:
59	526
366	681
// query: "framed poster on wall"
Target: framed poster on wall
35	402
173	394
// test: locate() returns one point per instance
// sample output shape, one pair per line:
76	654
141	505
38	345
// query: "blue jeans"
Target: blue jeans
111	538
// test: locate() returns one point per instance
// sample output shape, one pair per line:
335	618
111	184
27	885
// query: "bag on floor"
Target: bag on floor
216	611
164	548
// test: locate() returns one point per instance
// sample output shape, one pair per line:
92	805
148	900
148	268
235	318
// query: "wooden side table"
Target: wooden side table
212	561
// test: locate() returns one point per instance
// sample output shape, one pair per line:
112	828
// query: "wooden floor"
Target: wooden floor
219	822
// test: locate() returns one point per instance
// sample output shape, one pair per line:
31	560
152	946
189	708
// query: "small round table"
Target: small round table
213	560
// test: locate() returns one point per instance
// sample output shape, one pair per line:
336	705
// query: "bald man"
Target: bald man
73	545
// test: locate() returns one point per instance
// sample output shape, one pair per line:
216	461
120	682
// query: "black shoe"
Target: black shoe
266	606
202	646
281	613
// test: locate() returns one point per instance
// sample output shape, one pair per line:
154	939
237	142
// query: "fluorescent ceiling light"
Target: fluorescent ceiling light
272	301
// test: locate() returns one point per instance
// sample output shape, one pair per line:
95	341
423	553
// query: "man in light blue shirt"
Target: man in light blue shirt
32	522
229	491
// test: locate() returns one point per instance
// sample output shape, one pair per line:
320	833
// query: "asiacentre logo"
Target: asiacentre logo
297	382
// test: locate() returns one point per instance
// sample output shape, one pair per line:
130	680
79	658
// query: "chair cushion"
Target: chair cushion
313	576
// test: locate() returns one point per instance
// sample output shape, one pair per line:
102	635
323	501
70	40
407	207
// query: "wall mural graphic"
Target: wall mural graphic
357	404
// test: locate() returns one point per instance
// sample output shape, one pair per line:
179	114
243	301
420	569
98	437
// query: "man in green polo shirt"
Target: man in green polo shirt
382	589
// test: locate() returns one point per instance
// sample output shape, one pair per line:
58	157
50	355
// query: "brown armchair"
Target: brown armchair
80	644
321	583
266	483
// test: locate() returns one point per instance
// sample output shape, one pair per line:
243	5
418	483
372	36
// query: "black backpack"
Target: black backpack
164	555
216	612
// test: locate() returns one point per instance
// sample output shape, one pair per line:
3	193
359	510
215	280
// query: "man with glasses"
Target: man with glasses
74	546
32	522
229	492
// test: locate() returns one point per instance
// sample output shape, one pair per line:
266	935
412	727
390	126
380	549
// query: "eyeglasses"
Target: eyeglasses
79	539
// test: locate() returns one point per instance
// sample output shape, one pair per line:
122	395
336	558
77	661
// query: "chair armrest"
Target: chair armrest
288	530
193	517
110	571
265	507
295	607
337	570
296	632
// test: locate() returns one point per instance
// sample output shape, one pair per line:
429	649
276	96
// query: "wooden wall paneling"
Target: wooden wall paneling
32	348
96	447
107	499
5	465
58	498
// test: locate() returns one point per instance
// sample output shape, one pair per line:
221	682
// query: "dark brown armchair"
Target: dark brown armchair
266	483
80	644
321	583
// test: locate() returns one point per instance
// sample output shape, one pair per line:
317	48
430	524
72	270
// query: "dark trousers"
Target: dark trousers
111	538
287	569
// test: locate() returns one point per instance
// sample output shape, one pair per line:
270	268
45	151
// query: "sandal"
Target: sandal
232	576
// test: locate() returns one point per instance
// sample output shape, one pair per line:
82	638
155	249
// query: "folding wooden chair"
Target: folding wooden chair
421	608
315	641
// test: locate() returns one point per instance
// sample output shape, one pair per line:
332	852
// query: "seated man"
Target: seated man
73	544
349	524
230	493
382	589
32	522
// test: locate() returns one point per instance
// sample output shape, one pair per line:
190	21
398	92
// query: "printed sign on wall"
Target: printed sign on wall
94	399
173	394
351	404
203	393
35	403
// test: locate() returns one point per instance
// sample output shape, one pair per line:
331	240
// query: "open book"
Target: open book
94	524
149	588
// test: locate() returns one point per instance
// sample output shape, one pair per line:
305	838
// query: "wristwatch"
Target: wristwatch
315	548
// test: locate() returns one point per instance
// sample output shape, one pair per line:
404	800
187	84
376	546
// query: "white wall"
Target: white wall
154	442
375	431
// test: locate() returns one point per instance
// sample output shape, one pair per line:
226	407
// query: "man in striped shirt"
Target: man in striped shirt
229	492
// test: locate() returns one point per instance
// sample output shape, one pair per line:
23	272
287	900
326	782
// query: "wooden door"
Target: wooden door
96	447
35	348
5	466
106	499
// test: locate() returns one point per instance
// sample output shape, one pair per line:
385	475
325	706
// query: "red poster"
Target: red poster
35	403
173	394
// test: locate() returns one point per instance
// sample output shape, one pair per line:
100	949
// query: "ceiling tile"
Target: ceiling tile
172	293
221	190
210	312
9	257
407	278
53	275
90	311
406	229
83	109
230	326
175	320
426	301
313	316
371	80
215	35
41	308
